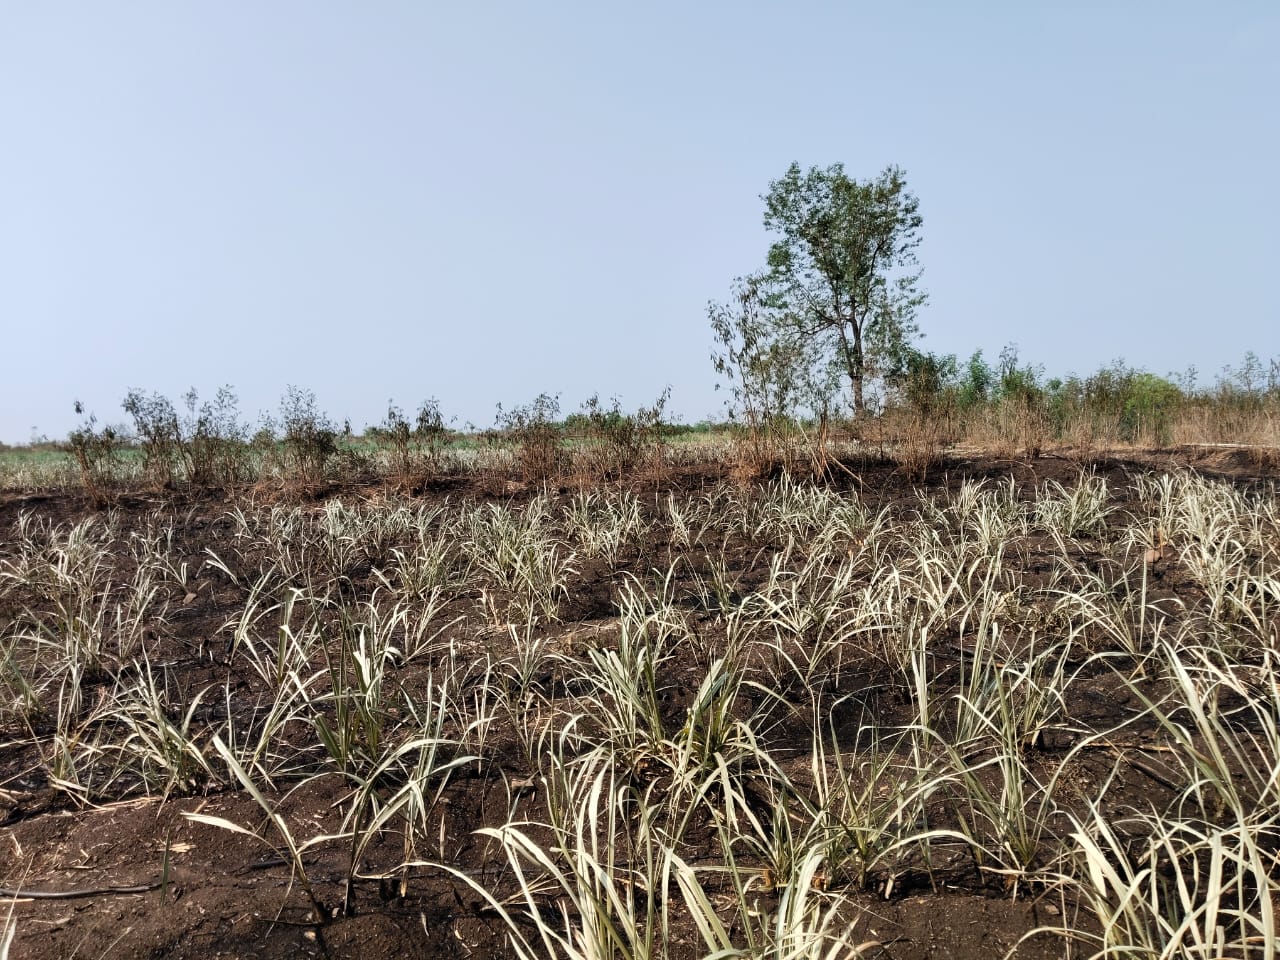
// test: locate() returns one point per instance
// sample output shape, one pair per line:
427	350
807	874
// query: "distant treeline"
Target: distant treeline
1117	404
928	404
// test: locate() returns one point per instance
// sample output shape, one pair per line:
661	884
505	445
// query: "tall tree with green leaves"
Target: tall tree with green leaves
843	272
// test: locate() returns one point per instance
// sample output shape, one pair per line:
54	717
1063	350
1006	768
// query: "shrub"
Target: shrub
768	374
615	443
1141	405
534	429
214	445
976	382
208	443
1022	412
309	438
159	436
94	450
415	450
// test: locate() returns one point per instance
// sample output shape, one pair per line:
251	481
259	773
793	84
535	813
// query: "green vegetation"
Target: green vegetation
932	404
841	275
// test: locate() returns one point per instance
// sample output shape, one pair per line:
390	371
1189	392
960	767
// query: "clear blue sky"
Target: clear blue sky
483	201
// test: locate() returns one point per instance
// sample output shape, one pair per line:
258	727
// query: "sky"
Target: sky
481	202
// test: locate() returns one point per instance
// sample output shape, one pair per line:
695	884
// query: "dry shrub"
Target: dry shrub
1089	434
415	451
1213	420
155	424
206	446
614	444
94	451
535	432
754	455
1011	428
780	445
304	446
215	445
919	438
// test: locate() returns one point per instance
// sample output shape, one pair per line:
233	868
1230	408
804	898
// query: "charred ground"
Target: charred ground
899	716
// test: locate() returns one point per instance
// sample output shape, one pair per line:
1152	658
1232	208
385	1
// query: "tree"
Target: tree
773	375
841	273
763	366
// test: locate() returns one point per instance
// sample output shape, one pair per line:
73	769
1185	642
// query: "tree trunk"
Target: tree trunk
855	367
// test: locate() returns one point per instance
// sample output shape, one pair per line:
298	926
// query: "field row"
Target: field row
723	722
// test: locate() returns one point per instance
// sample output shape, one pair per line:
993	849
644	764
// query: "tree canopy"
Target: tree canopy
841	275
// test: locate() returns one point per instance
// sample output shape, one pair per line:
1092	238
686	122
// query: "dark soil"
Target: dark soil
226	895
